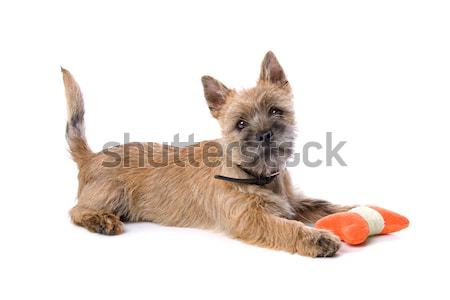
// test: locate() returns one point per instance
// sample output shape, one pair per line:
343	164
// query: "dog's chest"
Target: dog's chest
273	199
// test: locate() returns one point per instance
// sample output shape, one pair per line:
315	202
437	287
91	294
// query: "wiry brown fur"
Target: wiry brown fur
268	216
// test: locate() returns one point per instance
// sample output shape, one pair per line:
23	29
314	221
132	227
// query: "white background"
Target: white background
375	73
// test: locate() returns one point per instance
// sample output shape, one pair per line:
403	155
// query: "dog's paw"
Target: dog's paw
103	223
319	243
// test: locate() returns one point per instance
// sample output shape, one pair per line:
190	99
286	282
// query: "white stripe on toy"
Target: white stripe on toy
373	218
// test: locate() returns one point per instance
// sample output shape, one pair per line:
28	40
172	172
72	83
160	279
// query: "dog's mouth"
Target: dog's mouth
264	163
251	172
265	159
264	170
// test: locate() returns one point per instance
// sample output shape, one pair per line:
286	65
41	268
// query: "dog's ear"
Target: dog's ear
215	93
271	70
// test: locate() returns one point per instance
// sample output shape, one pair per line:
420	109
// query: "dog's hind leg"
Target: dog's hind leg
96	221
100	207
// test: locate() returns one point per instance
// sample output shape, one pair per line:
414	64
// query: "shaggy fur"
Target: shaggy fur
119	185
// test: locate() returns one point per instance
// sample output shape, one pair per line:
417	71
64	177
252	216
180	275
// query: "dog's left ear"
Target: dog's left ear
216	94
271	70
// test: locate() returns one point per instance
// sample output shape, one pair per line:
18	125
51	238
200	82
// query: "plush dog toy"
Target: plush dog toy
356	225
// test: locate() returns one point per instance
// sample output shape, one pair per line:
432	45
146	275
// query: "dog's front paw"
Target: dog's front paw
319	243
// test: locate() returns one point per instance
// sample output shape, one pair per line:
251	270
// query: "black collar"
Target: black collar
258	180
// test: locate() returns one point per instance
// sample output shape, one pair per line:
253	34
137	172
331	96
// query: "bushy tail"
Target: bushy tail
78	145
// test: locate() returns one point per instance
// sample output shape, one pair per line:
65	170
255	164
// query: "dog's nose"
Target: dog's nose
264	136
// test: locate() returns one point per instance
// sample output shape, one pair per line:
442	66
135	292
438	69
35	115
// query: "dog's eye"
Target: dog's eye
274	111
241	124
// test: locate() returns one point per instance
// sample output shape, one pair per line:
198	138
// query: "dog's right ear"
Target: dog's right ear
215	93
271	71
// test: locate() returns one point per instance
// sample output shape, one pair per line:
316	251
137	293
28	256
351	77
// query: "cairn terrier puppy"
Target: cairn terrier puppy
237	184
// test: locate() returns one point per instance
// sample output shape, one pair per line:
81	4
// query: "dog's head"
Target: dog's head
258	124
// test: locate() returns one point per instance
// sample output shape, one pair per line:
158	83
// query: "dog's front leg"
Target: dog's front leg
310	210
253	224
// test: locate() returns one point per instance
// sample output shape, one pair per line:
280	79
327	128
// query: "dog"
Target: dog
247	195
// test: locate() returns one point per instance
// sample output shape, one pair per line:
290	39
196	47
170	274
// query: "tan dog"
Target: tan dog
248	196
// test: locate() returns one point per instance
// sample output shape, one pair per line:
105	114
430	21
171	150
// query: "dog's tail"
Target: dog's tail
75	137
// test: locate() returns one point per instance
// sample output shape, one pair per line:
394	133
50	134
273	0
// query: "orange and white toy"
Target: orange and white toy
356	225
